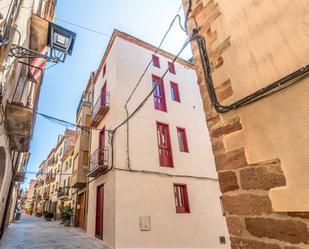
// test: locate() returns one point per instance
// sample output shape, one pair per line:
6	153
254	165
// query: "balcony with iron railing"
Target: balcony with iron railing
98	162
99	109
22	105
63	193
85	99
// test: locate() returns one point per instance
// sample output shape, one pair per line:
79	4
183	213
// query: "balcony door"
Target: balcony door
99	212
103	95
164	145
158	93
101	147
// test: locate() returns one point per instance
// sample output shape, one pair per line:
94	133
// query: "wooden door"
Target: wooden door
101	147
99	212
164	145
81	202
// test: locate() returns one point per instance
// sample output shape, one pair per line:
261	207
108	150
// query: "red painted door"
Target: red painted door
158	93
164	145
101	147
103	95
99	212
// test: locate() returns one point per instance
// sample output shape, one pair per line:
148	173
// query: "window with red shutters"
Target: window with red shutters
104	71
181	198
175	92
155	61
158	93
171	68
182	140
164	145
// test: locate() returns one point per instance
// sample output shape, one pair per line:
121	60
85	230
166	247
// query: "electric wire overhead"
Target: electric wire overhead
83	27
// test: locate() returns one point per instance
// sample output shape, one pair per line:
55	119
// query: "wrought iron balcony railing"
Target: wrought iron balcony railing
98	162
63	192
85	98
100	108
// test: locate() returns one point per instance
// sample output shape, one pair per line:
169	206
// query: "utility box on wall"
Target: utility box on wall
144	223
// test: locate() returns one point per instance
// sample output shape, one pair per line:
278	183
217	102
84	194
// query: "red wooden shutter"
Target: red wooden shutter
101	147
181	198
164	145
182	140
103	95
155	61
175	91
171	68
158	93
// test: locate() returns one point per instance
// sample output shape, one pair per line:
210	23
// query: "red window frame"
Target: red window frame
175	92
155	61
182	139
171	67
164	145
181	198
104	71
159	93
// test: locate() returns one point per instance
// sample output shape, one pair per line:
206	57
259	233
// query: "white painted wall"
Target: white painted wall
138	194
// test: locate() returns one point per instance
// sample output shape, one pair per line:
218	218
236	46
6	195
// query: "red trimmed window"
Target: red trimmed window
181	198
171	68
104	71
158	93
164	145
182	140
155	61
175	92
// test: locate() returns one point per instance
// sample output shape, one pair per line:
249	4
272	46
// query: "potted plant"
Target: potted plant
49	216
65	215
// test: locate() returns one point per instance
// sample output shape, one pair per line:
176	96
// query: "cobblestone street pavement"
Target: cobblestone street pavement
36	233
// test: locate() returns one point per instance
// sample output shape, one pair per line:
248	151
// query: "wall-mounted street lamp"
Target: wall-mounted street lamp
59	40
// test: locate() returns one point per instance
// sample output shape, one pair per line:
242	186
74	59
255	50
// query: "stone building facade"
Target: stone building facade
260	148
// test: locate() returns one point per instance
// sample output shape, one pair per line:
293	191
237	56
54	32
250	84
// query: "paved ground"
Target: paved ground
36	233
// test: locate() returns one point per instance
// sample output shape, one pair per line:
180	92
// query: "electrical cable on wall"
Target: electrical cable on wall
251	98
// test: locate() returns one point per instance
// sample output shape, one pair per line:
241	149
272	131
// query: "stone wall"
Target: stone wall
247	175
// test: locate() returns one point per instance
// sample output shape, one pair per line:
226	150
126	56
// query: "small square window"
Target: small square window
182	140
85	157
181	198
175	92
222	240
171	68
155	61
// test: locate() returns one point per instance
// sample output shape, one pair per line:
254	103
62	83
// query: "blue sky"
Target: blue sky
64	83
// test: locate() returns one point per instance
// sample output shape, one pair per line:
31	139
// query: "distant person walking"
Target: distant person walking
17	216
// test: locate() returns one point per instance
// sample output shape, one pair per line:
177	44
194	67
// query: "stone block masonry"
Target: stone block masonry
251	220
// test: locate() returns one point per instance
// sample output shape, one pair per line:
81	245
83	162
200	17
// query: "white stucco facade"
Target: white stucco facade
147	189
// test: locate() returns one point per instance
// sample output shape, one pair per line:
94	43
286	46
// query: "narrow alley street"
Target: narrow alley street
36	233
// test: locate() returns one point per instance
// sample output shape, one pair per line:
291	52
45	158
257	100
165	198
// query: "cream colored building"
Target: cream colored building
152	184
30	196
64	144
81	156
65	177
